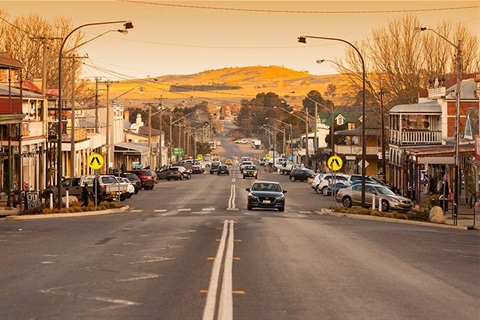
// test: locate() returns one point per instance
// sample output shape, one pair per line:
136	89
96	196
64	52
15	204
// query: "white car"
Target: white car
322	181
129	186
244	164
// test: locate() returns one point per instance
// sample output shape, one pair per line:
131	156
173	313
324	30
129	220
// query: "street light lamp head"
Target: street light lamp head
320	61
420	28
302	39
128	24
123	31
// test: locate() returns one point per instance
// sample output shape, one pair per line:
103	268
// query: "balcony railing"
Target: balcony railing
354	150
411	137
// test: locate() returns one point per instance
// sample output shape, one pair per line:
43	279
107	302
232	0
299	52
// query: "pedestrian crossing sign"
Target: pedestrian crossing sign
335	163
95	161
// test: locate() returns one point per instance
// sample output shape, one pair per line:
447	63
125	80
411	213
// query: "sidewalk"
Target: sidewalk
465	214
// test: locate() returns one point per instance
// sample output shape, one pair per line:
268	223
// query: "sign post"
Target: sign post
95	162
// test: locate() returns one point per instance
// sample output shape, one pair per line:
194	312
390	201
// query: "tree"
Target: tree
403	60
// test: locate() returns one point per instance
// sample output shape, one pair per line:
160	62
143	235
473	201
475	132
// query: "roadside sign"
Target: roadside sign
95	161
335	163
199	157
268	156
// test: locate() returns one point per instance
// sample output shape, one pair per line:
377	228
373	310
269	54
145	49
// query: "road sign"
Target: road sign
335	163
361	162
95	161
199	157
268	156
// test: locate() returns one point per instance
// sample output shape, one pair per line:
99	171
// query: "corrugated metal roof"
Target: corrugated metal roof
424	108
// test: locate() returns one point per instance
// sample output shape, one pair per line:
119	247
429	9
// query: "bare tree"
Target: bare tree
402	60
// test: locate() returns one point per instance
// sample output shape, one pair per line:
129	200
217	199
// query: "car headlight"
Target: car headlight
252	197
394	200
281	197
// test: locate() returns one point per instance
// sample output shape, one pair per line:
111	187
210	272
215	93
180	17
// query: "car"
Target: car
147	177
250	171
266	195
177	173
334	187
228	162
197	169
244	164
214	166
321	181
130	188
134	179
223	169
352	195
301	174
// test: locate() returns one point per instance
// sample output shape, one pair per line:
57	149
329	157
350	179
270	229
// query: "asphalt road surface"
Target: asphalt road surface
190	250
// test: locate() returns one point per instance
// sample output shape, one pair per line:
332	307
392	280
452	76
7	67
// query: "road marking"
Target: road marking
136	210
184	209
209	310
208	209
231	200
160	210
225	308
305	212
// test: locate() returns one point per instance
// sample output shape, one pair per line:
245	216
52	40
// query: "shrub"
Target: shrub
402	216
376	213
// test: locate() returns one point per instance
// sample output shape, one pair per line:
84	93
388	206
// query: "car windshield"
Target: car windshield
266	187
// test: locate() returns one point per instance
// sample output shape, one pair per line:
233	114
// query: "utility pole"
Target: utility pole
72	121
45	47
110	144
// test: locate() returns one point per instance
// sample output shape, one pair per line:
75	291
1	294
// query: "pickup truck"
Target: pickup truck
110	189
286	166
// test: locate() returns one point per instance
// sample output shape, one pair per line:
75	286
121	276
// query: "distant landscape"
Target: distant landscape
229	85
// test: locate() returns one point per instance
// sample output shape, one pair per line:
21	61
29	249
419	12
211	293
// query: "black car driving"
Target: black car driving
266	195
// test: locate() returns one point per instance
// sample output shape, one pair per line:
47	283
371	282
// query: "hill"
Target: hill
222	85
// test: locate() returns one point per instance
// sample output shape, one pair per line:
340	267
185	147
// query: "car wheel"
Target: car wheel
181	177
243	177
136	190
347	202
282	209
325	191
292	178
385	206
318	190
168	179
249	207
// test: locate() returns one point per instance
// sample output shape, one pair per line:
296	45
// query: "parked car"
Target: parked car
333	187
387	198
223	169
147	177
130	189
301	174
134	179
214	166
178	173
321	182
266	195
250	171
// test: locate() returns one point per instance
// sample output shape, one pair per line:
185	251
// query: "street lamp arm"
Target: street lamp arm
438	34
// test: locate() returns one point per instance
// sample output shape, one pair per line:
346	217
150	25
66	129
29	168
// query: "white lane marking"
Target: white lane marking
47	262
160	210
136	210
184	209
209	310
154	259
141	276
225	305
305	212
117	301
231	200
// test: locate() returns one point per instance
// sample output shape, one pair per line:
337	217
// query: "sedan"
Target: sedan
333	187
387	198
301	174
250	171
266	195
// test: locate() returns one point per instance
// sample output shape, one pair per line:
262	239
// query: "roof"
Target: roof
132	146
431	107
9	63
4	91
468	88
144	131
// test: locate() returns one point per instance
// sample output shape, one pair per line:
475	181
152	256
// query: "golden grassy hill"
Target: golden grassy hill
222	85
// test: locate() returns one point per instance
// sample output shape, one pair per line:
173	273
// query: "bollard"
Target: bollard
373	201
380	204
51	200
66	202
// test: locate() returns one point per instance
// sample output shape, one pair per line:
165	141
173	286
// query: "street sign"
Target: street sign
178	152
268	156
335	163
95	161
361	162
199	157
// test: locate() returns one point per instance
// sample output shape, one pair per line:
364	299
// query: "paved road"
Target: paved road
189	250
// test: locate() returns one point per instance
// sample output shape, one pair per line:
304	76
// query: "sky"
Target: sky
186	37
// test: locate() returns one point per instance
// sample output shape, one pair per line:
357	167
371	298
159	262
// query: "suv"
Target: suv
322	181
147	177
134	179
250	171
214	166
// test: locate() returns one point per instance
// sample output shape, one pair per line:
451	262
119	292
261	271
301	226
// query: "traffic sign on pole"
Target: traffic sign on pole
335	163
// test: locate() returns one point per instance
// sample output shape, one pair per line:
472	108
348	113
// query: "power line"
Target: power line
300	11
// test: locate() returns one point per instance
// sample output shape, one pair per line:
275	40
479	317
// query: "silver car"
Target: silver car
387	198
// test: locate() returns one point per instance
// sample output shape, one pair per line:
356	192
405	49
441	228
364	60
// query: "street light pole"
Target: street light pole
458	88
128	25
303	39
